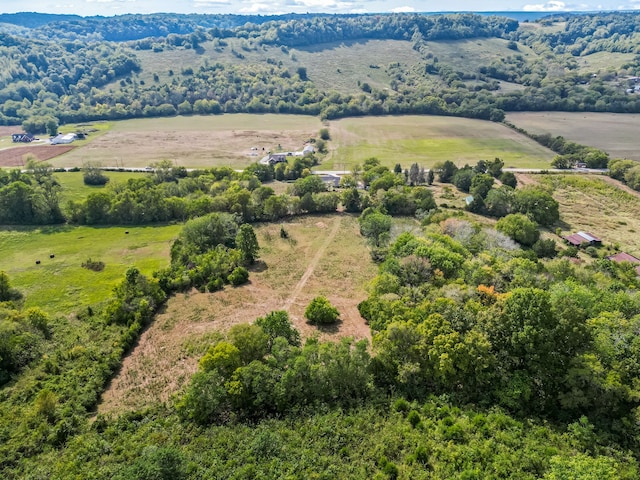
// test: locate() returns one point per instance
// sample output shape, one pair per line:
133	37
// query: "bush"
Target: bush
95	265
321	312
239	276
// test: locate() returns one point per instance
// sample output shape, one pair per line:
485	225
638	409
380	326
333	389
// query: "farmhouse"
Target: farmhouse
22	138
63	139
277	158
625	257
580	238
330	179
308	149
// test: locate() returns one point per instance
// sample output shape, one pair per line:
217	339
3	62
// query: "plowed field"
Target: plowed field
15	157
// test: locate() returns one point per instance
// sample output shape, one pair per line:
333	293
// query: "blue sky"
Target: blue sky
115	7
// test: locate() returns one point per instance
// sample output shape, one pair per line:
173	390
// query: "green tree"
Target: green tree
321	312
247	243
538	204
250	340
351	200
7	293
618	167
324	134
632	177
223	357
499	201
509	179
481	185
462	179
309	184
375	226
520	228
277	324
446	171
92	174
430	177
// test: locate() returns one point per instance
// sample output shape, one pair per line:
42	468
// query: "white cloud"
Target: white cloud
205	3
552	6
403	10
323	4
257	8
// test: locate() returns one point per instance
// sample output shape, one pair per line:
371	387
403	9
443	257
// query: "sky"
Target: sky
117	7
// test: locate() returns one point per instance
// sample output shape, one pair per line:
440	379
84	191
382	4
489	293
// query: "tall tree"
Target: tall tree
247	243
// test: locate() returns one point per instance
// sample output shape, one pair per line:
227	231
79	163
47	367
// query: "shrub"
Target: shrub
238	276
414	418
321	312
95	265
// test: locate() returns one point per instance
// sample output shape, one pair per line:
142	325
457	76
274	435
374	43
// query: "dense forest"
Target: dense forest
80	69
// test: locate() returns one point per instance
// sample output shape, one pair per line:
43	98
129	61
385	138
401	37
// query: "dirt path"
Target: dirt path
312	265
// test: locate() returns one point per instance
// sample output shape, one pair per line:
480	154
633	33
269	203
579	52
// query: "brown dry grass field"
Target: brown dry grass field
195	141
615	133
324	255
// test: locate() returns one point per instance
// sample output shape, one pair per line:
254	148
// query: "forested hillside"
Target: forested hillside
84	69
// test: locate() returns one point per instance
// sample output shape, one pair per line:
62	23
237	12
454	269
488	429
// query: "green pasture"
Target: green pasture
60	284
427	140
73	187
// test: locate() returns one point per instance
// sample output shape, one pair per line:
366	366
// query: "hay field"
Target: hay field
324	255
615	133
427	140
195	141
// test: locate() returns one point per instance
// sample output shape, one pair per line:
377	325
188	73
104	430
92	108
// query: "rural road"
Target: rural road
348	172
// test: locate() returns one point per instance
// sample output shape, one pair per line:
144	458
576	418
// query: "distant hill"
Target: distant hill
464	64
35	20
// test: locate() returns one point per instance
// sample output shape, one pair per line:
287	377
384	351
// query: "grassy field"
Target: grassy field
331	66
324	255
614	133
73	187
429	139
471	54
60	284
603	62
598	205
340	66
195	141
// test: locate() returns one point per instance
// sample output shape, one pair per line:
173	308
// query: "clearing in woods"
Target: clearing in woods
615	133
324	255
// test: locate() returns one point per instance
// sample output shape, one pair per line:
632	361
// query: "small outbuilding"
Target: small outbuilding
22	138
582	238
63	139
625	257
